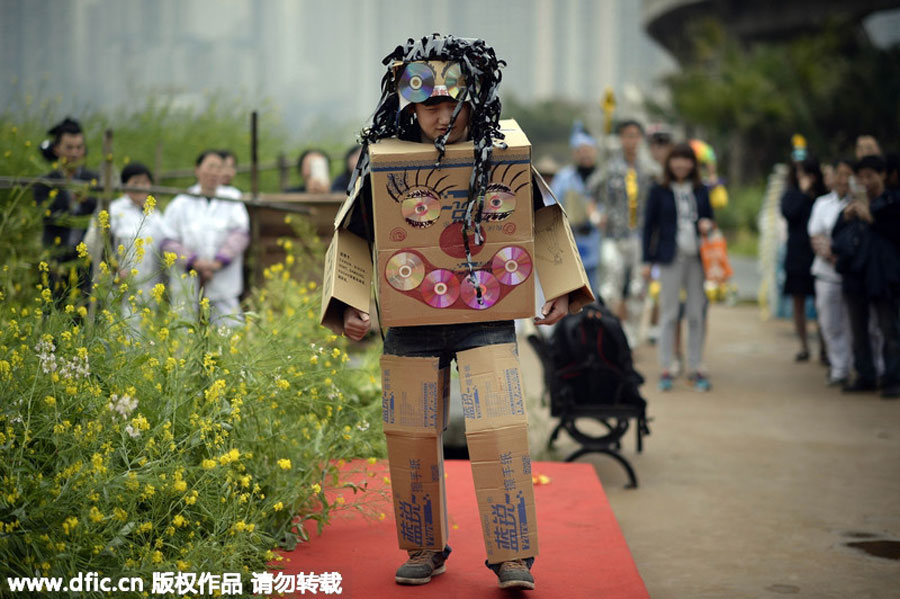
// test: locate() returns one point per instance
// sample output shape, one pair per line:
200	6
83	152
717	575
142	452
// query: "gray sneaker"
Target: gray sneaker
421	566
515	575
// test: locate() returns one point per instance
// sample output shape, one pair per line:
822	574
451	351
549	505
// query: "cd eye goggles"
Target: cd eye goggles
419	81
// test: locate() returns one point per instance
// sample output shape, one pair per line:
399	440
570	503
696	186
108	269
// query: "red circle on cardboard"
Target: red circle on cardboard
451	242
509	228
398	234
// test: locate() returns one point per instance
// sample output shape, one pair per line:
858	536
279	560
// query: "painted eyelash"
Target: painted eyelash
508	184
400	186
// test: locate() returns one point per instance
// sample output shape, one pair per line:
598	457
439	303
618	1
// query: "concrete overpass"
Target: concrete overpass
668	21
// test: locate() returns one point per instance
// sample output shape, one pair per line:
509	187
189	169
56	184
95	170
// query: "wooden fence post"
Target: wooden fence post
257	251
284	175
103	204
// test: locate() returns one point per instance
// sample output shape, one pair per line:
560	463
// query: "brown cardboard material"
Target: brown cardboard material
557	259
418	213
491	387
501	469
406	308
415	393
347	280
497	437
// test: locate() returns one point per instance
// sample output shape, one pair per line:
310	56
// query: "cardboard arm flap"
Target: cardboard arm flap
347	279
558	263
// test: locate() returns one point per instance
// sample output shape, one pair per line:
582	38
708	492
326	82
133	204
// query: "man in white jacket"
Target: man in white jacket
208	236
834	320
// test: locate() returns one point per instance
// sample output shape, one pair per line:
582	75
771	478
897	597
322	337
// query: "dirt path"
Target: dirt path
753	490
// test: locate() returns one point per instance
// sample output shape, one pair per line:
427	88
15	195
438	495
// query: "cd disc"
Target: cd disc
417	82
490	290
440	289
404	271
498	203
421	210
511	265
454	80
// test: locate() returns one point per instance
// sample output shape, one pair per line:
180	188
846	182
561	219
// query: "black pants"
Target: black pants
887	311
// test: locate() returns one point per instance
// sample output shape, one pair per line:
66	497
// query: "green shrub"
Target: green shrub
162	443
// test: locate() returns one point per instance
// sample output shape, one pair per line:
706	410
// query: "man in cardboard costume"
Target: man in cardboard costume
445	211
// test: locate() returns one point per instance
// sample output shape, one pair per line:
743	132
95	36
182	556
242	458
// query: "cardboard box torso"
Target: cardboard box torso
421	270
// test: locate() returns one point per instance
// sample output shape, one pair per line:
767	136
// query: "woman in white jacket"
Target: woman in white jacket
209	236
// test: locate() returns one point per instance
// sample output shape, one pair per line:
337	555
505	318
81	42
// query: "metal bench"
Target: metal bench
612	412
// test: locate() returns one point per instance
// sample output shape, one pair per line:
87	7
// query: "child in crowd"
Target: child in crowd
139	234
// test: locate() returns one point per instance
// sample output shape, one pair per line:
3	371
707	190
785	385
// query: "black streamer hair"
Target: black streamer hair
481	69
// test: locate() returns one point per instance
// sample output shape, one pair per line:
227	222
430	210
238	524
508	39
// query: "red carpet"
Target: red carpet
583	553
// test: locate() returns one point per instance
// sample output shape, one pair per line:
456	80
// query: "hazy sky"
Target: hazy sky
317	61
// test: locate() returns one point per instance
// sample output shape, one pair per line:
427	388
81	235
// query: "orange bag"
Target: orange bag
714	254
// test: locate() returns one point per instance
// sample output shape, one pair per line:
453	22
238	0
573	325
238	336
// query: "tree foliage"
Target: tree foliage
750	99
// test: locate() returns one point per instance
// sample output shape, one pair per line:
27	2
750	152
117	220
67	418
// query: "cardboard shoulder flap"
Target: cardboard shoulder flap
347	278
558	262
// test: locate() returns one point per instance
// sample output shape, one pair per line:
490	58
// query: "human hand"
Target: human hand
553	310
206	268
356	323
821	246
318	186
705	225
647	271
858	209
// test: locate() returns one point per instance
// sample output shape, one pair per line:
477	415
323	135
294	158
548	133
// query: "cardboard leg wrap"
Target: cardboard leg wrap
497	436
414	413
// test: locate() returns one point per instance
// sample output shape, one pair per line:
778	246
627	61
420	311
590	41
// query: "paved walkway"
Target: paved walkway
753	489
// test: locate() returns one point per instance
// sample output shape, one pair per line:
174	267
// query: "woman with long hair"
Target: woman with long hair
678	213
805	184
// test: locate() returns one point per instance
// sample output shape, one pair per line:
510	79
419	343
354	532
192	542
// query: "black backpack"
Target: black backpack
592	361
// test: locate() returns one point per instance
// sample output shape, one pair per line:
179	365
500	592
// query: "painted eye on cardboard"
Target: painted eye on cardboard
417	82
499	203
421	208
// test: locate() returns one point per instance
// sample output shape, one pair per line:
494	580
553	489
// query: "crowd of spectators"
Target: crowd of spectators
638	220
194	247
844	250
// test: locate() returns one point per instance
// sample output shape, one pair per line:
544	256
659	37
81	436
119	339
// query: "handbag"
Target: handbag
714	255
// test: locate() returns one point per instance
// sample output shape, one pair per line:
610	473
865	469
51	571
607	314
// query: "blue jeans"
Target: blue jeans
444	340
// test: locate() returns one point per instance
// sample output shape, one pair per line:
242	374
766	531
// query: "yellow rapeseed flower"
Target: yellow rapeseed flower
158	290
317	488
70	524
284	464
208	464
82	250
149	204
278	506
103	217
